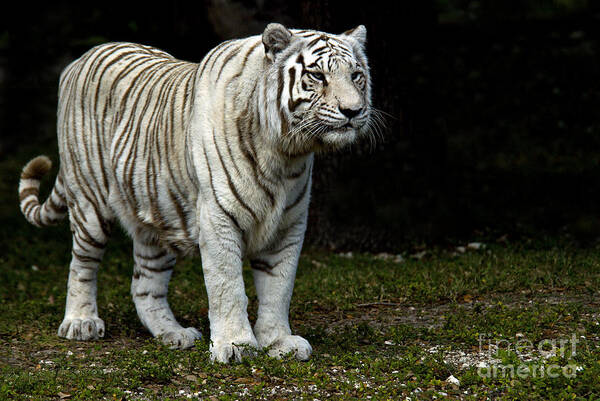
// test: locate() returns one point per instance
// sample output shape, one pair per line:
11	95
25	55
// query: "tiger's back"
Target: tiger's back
123	112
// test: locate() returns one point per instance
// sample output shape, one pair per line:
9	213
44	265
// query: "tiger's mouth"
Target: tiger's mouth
328	135
338	137
346	127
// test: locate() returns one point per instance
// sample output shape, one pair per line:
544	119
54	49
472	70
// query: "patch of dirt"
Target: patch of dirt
385	314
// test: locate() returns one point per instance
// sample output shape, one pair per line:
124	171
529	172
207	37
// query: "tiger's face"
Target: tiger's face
324	88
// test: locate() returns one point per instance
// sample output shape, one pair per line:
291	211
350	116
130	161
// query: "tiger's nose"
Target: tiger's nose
350	113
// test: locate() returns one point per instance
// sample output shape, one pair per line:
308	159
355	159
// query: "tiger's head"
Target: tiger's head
320	85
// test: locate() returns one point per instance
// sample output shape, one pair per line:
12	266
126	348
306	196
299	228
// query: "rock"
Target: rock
419	255
453	381
475	246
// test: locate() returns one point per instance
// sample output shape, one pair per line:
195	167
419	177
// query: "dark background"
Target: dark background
493	127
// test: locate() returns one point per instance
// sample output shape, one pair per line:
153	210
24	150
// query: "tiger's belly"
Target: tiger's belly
151	204
154	209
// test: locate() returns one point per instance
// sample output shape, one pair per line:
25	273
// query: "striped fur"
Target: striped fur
215	156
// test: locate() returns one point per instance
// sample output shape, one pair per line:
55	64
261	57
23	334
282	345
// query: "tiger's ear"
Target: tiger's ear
275	38
359	33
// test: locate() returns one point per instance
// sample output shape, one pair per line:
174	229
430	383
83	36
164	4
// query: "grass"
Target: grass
380	329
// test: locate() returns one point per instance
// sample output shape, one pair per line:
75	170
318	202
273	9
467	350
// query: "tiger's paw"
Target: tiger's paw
296	345
85	329
224	352
180	339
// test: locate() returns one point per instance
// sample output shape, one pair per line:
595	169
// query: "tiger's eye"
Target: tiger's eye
356	75
319	76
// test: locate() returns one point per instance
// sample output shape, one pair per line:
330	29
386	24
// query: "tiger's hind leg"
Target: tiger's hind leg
149	286
90	232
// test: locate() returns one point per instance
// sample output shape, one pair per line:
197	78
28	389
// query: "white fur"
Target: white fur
196	184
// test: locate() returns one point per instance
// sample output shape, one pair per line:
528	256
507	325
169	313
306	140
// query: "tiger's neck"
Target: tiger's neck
265	129
237	114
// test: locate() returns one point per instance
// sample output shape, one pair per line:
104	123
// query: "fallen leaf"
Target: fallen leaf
246	380
191	378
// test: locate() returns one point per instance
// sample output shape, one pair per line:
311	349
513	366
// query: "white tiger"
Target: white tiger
215	156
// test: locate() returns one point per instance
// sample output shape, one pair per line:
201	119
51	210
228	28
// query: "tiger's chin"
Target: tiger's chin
332	139
338	138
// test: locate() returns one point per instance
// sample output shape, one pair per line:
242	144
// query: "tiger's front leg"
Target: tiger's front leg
274	274
221	246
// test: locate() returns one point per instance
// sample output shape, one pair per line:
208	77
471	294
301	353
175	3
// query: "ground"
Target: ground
498	320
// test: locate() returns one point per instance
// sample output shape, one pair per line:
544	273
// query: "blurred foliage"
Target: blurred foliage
452	11
491	106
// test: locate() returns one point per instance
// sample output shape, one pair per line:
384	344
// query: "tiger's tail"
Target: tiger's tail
54	209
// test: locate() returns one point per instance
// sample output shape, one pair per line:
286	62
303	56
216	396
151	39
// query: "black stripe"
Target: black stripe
131	159
286	246
322	51
210	55
86	258
300	196
27	192
280	82
251	158
84	248
26	206
61	195
230	181
138	273
80	229
300	60
306	34
262	265
231	55
161	269
58	208
221	52
314	41
297	174
180	212
153	257
176	84
212	185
